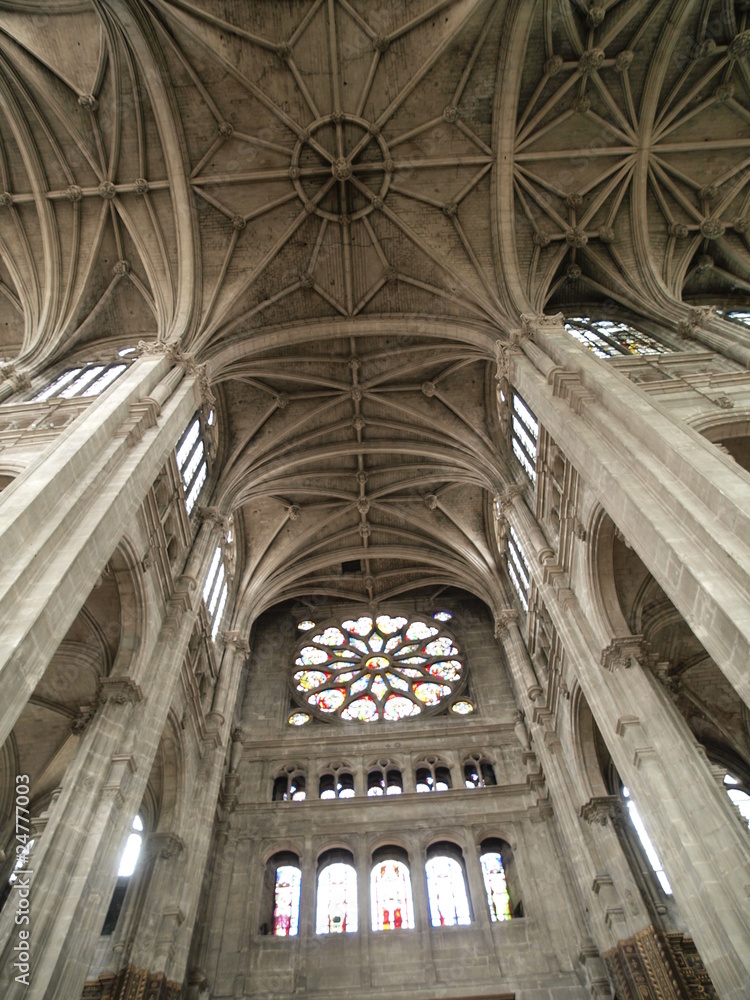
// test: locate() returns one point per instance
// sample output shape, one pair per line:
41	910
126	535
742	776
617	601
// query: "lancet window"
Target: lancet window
82	380
608	338
495	881
336	784
287	881
336	910
518	567
524	436
192	458
648	847
391	903
446	887
128	863
289	786
215	589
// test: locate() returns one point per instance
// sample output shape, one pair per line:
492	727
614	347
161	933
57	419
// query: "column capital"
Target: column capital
212	515
163	845
601	809
120	690
623	651
504	618
534	323
17	378
234	639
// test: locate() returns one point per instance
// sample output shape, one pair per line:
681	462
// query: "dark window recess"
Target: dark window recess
115	906
352	566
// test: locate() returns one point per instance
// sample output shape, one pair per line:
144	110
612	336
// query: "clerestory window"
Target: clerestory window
336	911
446	887
83	380
391	904
524	436
518	567
192	458
607	338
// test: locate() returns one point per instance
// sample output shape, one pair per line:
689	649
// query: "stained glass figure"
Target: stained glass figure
495	886
337	900
390	897
446	888
382	667
286	901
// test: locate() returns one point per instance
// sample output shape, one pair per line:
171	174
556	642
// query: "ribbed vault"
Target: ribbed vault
340	206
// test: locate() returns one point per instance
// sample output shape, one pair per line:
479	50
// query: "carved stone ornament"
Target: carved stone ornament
503	620
712	228
294	511
214	516
553	65
739	46
535	323
505	499
624	60
601	809
521	731
19	380
697	318
88	102
6	199
590	61
235	640
120	690
140	185
164	845
576	237
85	714
624	651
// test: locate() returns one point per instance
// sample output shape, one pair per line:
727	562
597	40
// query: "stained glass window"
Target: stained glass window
377	668
286	901
495	886
85	380
390	896
524	436
446	888
645	840
609	339
738	316
337	900
518	567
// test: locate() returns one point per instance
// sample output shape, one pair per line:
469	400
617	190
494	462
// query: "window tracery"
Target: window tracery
384	779
433	776
289	786
192	457
479	772
377	668
518	567
608	338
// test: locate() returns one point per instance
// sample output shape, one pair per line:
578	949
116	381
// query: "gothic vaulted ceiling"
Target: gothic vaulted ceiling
340	206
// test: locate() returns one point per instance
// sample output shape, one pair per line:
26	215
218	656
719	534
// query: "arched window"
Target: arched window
384	779
738	795
289	786
478	772
287	880
524	436
128	863
83	380
446	887
495	880
432	776
391	902
609	339
336	785
518	567
336	911
648	847
192	458
215	589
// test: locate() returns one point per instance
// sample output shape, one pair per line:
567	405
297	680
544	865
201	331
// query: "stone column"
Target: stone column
681	503
62	518
701	842
75	868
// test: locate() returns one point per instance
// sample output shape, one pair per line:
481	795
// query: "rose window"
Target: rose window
377	668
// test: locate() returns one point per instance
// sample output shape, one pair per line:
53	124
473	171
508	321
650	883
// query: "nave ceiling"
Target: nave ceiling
340	206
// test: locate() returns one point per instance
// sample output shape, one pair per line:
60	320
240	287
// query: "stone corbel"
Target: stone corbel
602	809
623	652
534	323
164	845
119	690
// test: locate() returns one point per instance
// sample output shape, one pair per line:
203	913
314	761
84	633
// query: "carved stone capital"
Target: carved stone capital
602	809
504	500
18	379
235	640
533	323
624	651
164	845
503	620
120	690
151	347
214	516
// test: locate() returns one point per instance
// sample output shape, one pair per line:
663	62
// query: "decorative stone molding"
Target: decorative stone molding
19	380
658	964
503	620
235	753
624	651
163	845
212	515
234	640
85	714
697	319
602	809
522	733
118	690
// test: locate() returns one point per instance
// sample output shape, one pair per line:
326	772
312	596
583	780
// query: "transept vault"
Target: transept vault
374	499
